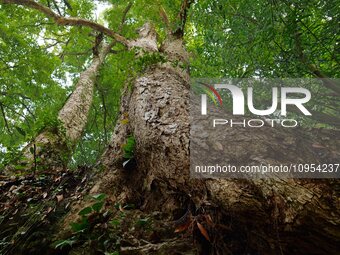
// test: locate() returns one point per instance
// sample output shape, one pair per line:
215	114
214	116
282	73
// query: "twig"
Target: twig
318	73
68	5
164	17
4	117
126	10
182	17
35	158
57	8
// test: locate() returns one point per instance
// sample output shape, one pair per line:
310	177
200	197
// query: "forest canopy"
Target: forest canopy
40	61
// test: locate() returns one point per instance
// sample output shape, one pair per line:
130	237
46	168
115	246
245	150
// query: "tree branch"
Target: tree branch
59	20
126	10
4	117
164	17
68	5
335	87
182	18
57	8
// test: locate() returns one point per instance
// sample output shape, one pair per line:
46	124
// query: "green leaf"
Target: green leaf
21	131
129	206
143	222
62	243
129	147
112	253
97	206
85	211
115	222
99	197
77	227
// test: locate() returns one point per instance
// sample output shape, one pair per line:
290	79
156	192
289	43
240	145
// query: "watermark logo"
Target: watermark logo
239	127
238	99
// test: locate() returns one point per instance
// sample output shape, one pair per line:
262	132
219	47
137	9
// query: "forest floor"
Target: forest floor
33	211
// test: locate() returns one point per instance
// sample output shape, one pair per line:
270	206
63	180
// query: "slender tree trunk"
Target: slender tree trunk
52	147
74	113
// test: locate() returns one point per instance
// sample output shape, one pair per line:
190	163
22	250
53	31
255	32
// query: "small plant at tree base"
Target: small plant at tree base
129	147
81	228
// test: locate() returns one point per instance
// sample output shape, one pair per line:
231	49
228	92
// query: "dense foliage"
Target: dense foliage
40	62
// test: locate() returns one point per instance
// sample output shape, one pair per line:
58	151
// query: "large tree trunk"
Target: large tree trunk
265	216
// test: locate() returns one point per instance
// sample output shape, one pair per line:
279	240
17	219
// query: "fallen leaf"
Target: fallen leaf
59	198
209	220
84	179
317	146
218	146
57	179
12	188
45	195
182	227
184	222
203	231
121	208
